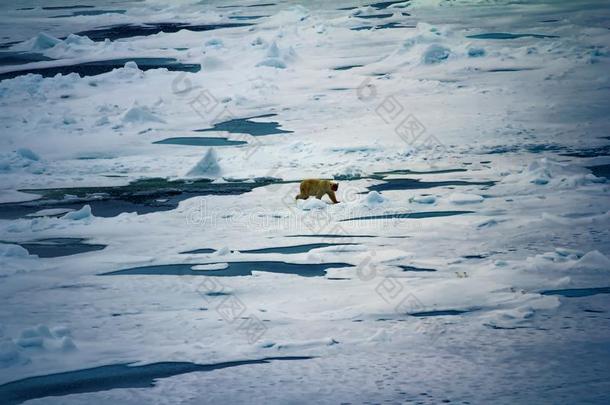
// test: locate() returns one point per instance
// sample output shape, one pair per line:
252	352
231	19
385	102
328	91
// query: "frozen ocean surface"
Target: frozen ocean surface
152	251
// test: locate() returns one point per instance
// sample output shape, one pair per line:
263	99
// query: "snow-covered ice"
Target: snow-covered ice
207	167
481	277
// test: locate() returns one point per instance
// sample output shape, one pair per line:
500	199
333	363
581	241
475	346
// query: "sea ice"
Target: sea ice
463	198
140	114
208	166
311	203
83	213
374	199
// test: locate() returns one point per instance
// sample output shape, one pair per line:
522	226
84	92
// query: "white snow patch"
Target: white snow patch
381	335
27	154
558	270
223	251
10	354
49	212
594	261
547	172
212	63
423	199
207	167
306	344
42	338
374	199
349	172
71	47
22	159
83	213
40	42
311	203
277	57
9	196
8	250
462	198
435	54
214	43
212	266
140	114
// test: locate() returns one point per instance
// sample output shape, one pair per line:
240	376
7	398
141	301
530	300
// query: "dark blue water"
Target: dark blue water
106	207
348	67
578	292
506	35
246	126
410	215
89	12
249	5
531	148
415	184
199	251
295	249
67	7
135	30
233	270
199	141
416	269
448	312
591	152
600	171
110	377
278	249
6	45
500	70
105	66
507	327
20	58
382	5
141	196
387	15
474	256
385	26
407	171
217	294
57	247
247	17
330	236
